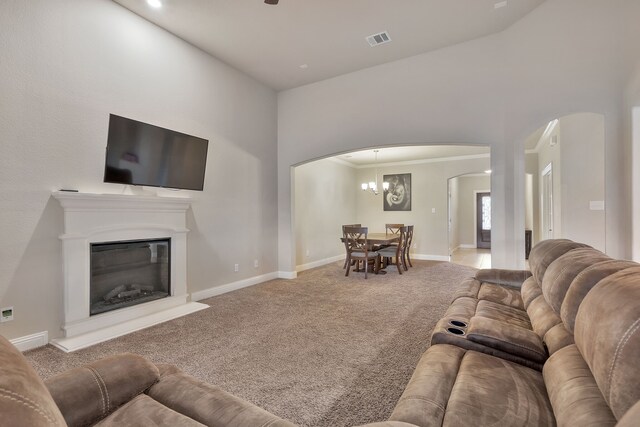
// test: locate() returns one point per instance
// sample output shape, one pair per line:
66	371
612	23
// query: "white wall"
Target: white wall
328	194
583	178
564	57
325	199
429	182
65	66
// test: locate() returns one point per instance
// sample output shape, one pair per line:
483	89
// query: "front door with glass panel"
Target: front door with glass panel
483	220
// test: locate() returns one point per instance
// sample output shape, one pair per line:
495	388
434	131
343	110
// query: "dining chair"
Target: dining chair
396	251
345	241
407	247
358	249
391	229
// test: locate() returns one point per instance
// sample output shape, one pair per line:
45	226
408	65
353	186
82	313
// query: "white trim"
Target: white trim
287	274
319	263
466	246
427	257
29	342
422	161
343	162
85	340
233	286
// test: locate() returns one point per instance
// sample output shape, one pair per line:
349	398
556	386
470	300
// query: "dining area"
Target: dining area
374	252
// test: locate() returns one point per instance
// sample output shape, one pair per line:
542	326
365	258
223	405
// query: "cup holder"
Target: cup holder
458	323
455	331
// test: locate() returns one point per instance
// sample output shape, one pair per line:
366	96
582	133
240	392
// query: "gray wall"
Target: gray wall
495	90
325	199
328	195
65	66
578	177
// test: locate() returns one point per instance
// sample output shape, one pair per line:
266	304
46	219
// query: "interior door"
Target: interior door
483	220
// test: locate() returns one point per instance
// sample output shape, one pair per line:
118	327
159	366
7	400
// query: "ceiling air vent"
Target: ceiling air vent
380	38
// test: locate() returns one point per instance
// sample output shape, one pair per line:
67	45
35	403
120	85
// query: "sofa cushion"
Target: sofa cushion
24	399
207	403
547	251
501	294
144	411
530	290
607	334
455	387
106	384
503	313
583	283
557	337
508	338
573	392
542	316
493	391
562	271
425	397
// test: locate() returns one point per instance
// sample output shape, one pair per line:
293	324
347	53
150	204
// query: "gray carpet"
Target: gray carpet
320	350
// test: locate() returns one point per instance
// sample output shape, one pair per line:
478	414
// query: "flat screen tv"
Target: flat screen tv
143	154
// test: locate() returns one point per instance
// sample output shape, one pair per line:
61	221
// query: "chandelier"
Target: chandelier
373	185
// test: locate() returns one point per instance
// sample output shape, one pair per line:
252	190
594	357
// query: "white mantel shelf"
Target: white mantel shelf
71	200
99	218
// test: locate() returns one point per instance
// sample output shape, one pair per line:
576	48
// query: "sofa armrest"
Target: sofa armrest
513	278
208	404
88	394
508	338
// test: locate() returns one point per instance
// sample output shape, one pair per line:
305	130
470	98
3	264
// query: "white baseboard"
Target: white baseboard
466	246
32	341
223	289
90	338
319	263
287	274
427	257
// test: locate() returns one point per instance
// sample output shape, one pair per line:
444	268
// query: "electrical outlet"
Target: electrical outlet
307	253
256	264
433	210
236	267
6	314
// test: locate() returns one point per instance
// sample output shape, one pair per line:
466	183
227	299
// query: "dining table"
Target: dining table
378	239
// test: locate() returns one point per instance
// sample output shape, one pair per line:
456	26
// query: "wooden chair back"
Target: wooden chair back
355	239
392	228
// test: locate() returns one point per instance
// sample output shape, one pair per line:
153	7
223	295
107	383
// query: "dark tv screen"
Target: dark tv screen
143	154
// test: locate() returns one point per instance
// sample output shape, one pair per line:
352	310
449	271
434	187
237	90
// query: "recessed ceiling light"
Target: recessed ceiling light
304	66
500	4
157	4
488	171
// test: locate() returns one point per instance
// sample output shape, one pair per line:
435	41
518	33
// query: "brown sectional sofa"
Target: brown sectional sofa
557	346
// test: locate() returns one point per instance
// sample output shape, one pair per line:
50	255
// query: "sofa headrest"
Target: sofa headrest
607	335
583	283
106	384
563	270
547	251
24	400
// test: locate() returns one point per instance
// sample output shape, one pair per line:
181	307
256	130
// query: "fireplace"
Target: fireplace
127	273
125	265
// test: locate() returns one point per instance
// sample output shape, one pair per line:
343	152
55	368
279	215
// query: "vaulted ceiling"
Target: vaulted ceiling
303	41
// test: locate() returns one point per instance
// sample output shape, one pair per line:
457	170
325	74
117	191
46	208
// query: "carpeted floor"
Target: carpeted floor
320	350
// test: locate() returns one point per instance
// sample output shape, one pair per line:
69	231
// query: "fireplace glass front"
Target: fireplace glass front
128	273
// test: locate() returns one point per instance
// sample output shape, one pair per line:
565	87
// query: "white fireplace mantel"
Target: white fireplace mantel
98	218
